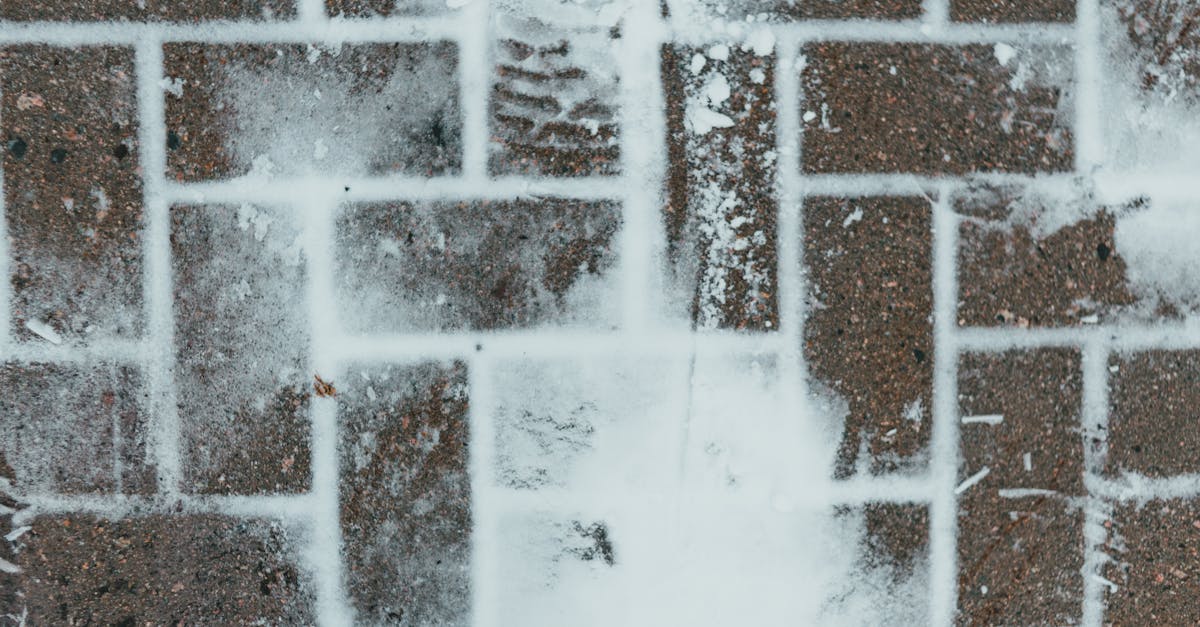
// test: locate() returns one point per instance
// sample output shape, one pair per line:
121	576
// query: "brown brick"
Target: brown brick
73	429
1012	274
73	196
933	109
1155	562
1012	10
241	349
405	493
869	332
184	569
383	8
375	108
477	265
892	563
553	103
1027	549
721	202
785	10
147	10
1152	426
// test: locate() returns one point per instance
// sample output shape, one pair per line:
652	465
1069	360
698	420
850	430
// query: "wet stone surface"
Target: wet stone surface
72	190
930	109
90	415
475	265
1012	272
1020	539
1012	10
1152	426
241	349
869	332
1155	563
147	10
159	569
548	115
369	109
721	202
405	493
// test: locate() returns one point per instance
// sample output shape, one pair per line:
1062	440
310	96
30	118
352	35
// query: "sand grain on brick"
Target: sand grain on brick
72	190
405	493
241	349
869	332
933	109
721	202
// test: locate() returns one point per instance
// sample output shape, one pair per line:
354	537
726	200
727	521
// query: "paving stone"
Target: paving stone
869	332
73	196
1012	272
384	8
935	109
1024	547
147	10
1165	35
1155	563
787	10
405	493
721	201
1153	426
88	414
1012	10
475	265
549	115
160	569
893	559
241	342
368	109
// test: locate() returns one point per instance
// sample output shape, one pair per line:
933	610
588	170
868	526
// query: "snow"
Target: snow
44	331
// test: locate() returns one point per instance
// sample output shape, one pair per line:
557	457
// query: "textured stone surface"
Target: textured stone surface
405	494
147	10
869	332
1155	551
1012	10
929	109
72	190
1155	413
787	10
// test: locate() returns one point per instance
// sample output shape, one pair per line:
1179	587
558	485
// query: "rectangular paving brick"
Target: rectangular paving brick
147	10
1020	542
368	109
721	201
786	10
1155	563
1152	423
869	332
553	102
72	191
384	8
241	345
73	429
161	569
935	109
405	267
1163	39
1011	273
892	562
405	493
1012	10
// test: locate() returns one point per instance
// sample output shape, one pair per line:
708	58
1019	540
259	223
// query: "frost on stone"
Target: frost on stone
721	210
72	429
405	492
241	347
553	105
1159	243
476	265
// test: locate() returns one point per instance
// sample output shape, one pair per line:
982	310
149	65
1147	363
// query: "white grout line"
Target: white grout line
936	13
643	165
1089	133
484	509
160	357
474	64
312	12
944	467
325	550
1095	449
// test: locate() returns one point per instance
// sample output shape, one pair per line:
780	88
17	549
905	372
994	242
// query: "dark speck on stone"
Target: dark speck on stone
18	147
919	354
1103	251
121	151
173	141
58	155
